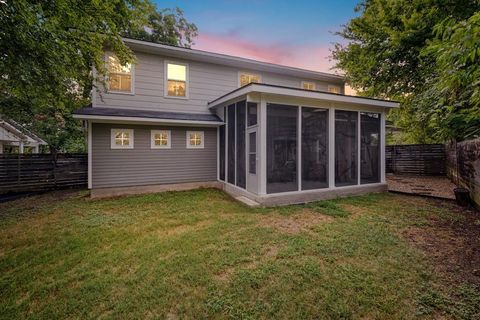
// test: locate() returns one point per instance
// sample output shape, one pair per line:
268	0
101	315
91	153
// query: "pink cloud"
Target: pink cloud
306	57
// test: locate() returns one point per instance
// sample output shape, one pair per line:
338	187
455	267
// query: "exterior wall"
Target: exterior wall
145	166
207	82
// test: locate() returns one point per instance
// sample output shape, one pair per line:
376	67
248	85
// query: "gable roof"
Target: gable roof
233	61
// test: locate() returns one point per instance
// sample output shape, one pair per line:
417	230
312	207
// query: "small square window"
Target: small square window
308	85
334	89
160	139
195	140
121	138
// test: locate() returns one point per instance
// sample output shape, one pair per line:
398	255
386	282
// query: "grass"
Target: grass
199	254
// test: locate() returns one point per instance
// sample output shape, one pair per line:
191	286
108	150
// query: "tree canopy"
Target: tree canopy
423	53
48	49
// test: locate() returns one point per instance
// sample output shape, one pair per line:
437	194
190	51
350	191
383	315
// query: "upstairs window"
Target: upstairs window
176	80
334	89
121	139
195	139
120	76
308	85
246	78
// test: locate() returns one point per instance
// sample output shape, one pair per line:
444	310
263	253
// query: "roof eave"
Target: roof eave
144	120
300	93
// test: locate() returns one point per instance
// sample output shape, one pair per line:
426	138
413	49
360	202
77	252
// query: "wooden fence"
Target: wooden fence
39	172
418	159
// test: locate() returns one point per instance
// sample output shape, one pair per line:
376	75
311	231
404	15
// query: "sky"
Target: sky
295	33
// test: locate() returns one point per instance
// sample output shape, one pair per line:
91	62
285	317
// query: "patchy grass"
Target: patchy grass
199	254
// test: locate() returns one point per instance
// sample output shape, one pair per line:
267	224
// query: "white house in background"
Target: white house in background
12	134
265	133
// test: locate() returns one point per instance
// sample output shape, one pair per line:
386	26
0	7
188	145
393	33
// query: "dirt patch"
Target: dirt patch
440	187
295	223
452	245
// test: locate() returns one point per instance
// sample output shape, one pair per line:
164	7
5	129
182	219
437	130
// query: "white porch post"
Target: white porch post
36	148
382	147
299	149
331	148
262	186
359	147
20	147
1	147
89	146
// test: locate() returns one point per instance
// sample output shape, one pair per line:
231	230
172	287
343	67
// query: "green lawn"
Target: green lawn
199	254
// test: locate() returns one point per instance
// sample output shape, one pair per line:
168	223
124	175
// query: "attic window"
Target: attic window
176	80
119	76
246	78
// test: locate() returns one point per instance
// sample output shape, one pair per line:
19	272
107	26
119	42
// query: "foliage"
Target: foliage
391	52
167	26
48	49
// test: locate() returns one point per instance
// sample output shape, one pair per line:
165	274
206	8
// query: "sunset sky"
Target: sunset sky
295	33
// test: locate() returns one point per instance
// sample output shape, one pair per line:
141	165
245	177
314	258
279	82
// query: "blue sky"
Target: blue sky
297	33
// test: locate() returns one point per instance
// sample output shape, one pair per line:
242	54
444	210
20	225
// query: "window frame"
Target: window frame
334	86
132	77
309	82
250	74
152	139
114	131
165	79
202	135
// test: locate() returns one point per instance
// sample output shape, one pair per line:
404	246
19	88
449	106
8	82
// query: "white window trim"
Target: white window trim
165	79
113	132
202	144
250	74
332	86
309	82
152	139
132	75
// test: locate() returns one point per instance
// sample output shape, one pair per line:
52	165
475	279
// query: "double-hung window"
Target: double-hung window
119	76
176	79
334	89
121	139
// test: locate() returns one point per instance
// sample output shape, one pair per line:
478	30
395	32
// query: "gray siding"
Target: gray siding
145	166
206	83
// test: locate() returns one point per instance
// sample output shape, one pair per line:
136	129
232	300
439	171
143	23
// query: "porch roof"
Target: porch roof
300	93
135	115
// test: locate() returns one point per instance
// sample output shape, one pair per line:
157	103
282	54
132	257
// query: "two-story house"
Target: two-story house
265	133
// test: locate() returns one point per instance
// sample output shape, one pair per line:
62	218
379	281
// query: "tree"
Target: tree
48	49
386	56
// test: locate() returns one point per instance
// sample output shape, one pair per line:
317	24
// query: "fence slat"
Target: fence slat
38	172
418	159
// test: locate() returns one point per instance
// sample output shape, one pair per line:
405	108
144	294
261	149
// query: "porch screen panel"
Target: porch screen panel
370	147
314	148
231	144
241	126
281	148
222	152
346	148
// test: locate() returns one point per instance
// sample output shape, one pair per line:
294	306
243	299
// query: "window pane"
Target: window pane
346	146
241	169
309	85
114	66
281	148
176	72
252	114
231	143
176	88
314	148
334	89
370	147
222	153
252	156
248	78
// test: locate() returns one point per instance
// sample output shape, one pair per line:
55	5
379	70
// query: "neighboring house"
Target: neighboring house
182	118
14	137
